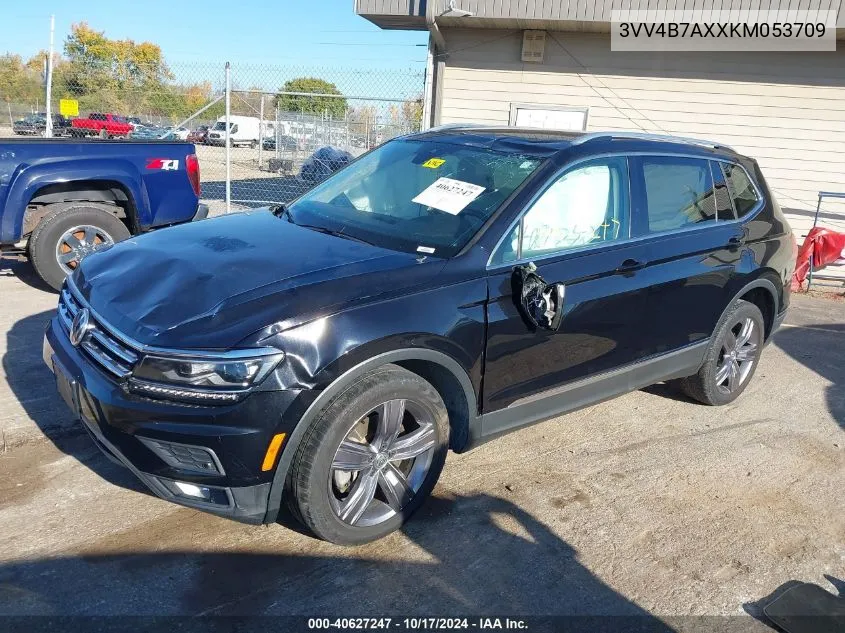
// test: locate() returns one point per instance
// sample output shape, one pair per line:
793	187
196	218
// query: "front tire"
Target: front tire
371	458
732	357
68	234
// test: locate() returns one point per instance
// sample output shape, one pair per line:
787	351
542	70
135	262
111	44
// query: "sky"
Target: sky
294	34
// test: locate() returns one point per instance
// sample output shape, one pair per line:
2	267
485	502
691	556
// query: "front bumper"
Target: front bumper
201	214
130	430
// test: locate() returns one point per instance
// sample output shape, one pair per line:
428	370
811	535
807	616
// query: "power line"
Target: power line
604	85
363	44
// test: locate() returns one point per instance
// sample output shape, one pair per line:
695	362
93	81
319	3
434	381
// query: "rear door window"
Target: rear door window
679	192
741	189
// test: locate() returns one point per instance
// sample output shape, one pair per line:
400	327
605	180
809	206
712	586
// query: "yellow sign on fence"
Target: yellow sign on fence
69	107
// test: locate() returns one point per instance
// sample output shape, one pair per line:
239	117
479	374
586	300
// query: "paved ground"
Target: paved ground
648	504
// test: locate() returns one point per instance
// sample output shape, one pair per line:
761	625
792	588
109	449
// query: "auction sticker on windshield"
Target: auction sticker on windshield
451	196
433	163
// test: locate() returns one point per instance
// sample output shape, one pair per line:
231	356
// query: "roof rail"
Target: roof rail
646	136
453	126
480	127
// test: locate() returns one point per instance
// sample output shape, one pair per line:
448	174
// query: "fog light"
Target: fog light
195	492
192	490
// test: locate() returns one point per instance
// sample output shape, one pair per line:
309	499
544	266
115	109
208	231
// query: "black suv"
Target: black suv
439	291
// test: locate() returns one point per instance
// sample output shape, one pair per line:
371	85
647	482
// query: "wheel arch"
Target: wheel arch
32	182
108	195
446	375
762	292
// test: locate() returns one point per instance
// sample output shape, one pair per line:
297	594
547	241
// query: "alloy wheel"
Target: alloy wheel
738	355
381	463
77	243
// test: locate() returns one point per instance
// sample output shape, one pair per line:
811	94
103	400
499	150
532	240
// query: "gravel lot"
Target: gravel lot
648	504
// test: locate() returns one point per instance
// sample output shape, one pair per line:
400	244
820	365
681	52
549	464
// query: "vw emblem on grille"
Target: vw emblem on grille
80	327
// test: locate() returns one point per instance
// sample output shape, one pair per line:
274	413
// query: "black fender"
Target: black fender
764	282
339	384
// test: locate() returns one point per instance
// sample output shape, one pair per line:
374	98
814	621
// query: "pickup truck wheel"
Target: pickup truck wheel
69	233
371	458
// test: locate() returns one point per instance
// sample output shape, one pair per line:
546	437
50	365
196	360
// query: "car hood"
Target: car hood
211	284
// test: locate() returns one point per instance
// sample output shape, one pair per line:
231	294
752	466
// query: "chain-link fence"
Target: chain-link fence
285	127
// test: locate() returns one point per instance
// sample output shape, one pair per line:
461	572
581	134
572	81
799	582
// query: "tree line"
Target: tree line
131	78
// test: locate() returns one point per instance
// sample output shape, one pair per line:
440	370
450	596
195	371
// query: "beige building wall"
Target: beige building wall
787	110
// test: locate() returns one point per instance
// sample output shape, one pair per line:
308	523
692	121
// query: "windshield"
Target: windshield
221	126
415	195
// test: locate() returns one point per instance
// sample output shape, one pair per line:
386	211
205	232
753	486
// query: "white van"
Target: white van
244	130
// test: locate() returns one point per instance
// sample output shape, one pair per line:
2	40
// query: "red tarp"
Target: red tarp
824	246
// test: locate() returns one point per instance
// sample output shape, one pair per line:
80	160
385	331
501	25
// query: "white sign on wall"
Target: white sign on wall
549	117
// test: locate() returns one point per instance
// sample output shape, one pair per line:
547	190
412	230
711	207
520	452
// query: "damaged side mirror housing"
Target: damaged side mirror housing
540	303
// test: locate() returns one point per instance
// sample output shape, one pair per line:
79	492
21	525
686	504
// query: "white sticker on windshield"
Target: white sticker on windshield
451	196
425	249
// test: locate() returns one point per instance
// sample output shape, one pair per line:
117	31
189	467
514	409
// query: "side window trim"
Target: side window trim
520	220
639	202
714	167
725	178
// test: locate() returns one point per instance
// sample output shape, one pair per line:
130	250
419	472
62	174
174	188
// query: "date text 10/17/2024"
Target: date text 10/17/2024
417	624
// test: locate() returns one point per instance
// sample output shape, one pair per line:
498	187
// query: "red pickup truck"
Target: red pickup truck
102	125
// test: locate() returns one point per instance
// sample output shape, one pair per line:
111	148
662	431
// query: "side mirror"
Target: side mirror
540	303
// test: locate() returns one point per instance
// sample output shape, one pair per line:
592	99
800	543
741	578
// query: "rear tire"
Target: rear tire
731	359
371	457
46	240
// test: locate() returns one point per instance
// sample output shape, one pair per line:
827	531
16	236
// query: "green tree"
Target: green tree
412	112
20	82
119	75
333	106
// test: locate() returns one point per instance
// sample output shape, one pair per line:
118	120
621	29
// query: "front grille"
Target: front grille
99	344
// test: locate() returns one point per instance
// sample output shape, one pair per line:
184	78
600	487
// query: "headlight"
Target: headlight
226	378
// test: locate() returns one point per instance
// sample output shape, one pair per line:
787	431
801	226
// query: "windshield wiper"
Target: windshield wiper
281	211
327	231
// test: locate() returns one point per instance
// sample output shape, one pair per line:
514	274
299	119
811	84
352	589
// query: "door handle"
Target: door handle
630	265
735	241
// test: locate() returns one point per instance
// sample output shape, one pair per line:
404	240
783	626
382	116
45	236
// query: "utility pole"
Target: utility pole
228	139
48	131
